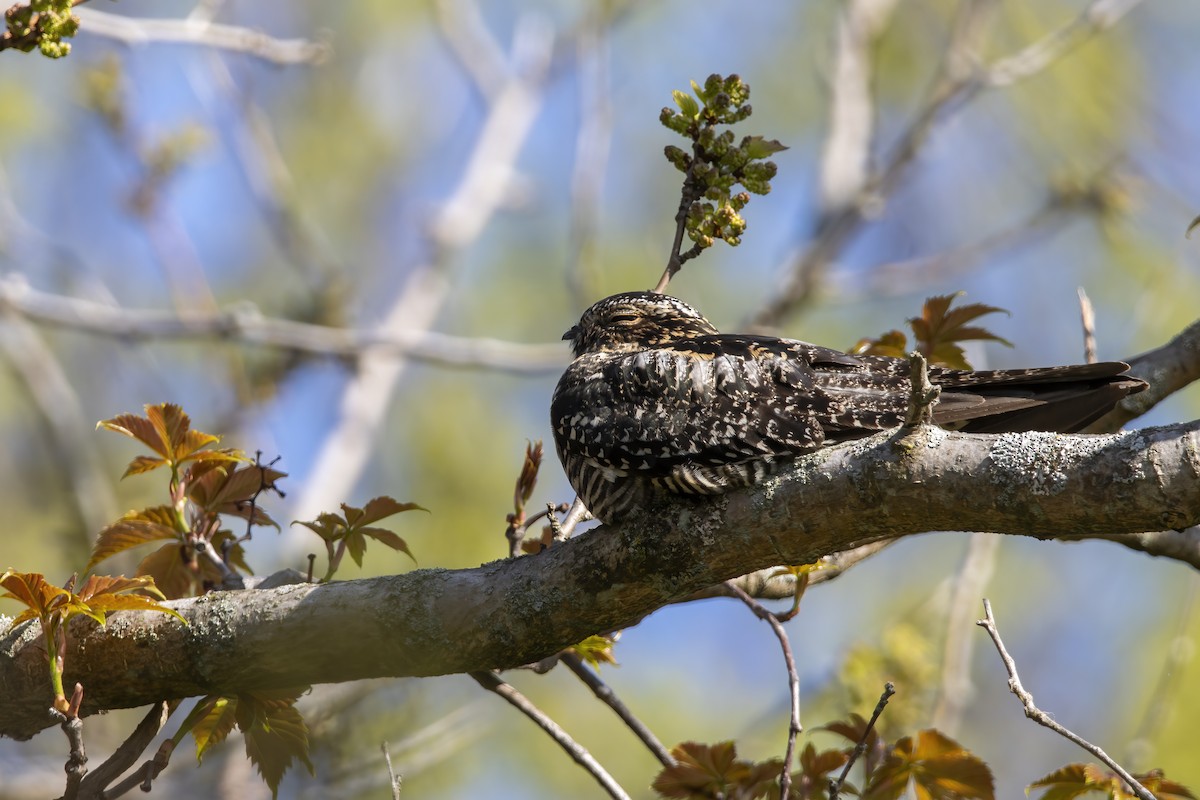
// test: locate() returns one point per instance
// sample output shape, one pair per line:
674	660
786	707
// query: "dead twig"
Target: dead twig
988	623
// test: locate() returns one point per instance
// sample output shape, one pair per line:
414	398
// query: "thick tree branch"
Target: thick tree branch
518	611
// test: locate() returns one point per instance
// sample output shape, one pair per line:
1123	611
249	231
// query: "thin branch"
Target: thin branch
1096	18
1164	697
485	186
845	156
593	144
897	277
794	726
988	623
835	784
691	191
969	583
959	82
234	38
72	446
464	30
607	696
1087	317
393	781
922	394
98	780
245	324
492	682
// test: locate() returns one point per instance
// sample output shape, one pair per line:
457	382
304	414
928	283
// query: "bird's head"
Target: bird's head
635	321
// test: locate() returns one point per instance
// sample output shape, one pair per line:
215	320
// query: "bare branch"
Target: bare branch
959	82
484	187
146	30
988	623
245	324
492	682
973	576
607	696
1087	317
794	726
835	784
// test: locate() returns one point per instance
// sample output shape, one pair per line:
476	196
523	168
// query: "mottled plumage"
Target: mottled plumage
658	400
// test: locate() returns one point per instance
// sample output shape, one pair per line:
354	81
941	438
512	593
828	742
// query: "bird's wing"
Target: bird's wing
720	399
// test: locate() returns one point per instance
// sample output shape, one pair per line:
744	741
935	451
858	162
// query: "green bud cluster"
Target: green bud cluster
45	23
716	165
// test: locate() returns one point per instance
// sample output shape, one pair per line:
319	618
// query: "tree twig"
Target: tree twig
245	324
234	38
835	784
607	696
922	394
988	623
1087	317
492	682
794	726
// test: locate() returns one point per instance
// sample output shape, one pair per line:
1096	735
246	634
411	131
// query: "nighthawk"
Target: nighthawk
658	401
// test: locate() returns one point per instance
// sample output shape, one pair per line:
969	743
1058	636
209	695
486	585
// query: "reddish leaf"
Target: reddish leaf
939	328
376	509
226	491
703	771
939	766
527	480
329	527
387	537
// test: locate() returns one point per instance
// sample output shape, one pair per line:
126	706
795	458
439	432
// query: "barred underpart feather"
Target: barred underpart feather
657	400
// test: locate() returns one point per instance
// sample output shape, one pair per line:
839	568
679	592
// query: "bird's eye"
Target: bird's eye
622	319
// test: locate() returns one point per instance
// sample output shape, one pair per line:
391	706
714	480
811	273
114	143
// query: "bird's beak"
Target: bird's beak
570	335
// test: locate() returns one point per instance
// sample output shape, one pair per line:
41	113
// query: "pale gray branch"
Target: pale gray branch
518	611
244	323
146	30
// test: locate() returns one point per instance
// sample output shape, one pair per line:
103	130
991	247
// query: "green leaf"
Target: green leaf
210	722
687	104
276	735
757	147
596	650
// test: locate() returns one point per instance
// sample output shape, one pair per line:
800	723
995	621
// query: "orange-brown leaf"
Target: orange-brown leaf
133	529
172	574
703	770
139	428
939	766
33	590
892	343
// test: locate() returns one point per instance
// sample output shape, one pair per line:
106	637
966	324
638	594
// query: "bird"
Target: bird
658	402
